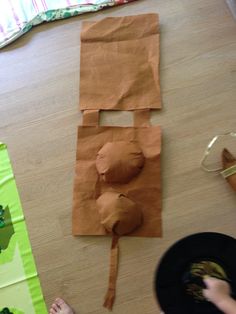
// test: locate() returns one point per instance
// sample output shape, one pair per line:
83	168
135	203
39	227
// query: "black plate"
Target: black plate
169	285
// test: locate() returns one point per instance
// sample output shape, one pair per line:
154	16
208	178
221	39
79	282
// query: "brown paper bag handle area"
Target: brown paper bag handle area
142	117
114	259
91	117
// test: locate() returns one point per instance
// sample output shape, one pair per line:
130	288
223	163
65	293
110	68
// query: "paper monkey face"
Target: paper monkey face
119	215
119	162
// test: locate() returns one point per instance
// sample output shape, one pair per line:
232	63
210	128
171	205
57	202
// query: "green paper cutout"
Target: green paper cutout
19	284
6	310
6	228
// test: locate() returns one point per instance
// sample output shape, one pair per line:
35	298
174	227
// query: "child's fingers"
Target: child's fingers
207	281
205	293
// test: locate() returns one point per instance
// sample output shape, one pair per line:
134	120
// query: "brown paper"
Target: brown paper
119	68
142	117
91	117
119	161
117	187
144	189
114	260
229	161
118	214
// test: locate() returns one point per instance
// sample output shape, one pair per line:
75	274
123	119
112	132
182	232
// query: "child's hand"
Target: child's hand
217	290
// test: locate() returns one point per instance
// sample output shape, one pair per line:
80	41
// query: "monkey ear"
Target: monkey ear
227	159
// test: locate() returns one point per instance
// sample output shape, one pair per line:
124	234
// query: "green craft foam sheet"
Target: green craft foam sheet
20	290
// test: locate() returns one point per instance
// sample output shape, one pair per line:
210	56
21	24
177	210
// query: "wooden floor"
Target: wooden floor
39	79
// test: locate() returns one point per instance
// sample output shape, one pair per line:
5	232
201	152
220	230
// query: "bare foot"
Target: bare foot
60	307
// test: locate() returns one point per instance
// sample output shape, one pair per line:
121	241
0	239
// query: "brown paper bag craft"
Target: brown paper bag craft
117	188
229	166
228	169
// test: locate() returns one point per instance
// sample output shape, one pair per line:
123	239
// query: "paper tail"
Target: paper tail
109	299
114	258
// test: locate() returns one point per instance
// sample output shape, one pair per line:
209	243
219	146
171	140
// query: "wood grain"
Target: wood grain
39	79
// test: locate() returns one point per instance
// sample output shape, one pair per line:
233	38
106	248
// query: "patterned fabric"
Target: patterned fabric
19	16
20	288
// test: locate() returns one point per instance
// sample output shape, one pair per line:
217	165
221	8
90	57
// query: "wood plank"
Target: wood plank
39	80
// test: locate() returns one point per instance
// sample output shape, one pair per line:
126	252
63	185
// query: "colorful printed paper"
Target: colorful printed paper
18	16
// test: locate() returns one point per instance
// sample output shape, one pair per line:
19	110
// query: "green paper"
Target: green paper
20	289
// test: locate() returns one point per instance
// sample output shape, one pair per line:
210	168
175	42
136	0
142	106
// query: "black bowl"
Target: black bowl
169	284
